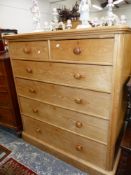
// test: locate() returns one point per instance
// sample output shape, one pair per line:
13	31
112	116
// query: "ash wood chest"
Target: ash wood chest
70	90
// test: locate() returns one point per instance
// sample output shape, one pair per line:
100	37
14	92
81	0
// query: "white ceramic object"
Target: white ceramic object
69	24
36	15
84	10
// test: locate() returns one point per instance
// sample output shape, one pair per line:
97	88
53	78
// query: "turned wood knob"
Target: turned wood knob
77	76
79	147
32	90
29	70
79	124
38	52
57	45
35	110
38	130
78	100
27	50
77	51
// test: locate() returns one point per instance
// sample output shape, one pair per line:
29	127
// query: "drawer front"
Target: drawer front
92	50
4	99
85	101
37	50
84	125
7	117
3	84
82	76
2	69
65	141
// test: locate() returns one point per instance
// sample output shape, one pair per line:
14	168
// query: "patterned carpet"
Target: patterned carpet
40	162
13	167
4	152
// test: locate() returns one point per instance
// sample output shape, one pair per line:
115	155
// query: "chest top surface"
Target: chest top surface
99	32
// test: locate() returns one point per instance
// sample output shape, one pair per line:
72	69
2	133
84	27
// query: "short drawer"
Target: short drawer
70	143
85	101
88	50
83	76
4	99
85	125
37	50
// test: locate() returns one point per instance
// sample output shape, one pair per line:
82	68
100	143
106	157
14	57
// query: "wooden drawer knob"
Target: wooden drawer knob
38	130
29	70
79	147
78	100
79	124
77	76
77	51
38	52
32	90
27	50
35	110
57	45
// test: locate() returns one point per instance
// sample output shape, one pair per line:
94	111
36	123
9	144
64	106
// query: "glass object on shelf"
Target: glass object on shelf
36	15
112	19
123	20
55	24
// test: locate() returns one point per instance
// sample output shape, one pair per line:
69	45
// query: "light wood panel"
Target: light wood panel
121	72
89	50
85	125
93	32
73	144
37	50
82	76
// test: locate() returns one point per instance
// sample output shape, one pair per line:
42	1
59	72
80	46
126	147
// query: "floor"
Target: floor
40	162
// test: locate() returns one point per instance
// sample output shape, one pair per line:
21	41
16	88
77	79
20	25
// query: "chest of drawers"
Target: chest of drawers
70	89
9	109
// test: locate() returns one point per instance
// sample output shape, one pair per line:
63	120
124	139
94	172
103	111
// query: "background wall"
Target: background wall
62	3
17	14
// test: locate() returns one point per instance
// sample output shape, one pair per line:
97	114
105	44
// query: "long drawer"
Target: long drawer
88	50
85	101
37	50
84	125
83	76
70	143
